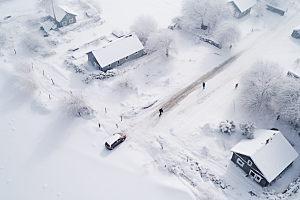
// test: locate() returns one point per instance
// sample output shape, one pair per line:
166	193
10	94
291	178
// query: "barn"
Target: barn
264	157
241	7
116	52
62	15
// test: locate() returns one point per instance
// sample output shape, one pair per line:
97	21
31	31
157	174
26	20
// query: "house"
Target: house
116	52
296	33
242	7
264	157
62	15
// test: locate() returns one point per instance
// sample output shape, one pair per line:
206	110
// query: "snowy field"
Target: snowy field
45	154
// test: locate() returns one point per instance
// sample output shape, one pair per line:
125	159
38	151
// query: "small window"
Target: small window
257	178
126	58
64	23
240	162
71	20
252	173
118	62
109	65
136	53
249	163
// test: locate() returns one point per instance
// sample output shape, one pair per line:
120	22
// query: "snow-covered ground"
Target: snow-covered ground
45	154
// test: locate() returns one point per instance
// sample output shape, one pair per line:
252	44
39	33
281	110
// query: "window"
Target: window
71	20
118	62
126	58
249	163
240	162
136	53
257	178
64	23
252	173
109	65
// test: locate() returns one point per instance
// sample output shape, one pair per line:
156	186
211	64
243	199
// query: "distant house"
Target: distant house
62	16
275	9
296	33
116	52
292	75
242	7
264	157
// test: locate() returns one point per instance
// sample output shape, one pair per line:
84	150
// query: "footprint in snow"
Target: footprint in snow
45	186
14	129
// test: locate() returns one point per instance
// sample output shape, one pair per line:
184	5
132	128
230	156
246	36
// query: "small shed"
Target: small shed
275	9
241	7
296	32
116	52
264	157
62	15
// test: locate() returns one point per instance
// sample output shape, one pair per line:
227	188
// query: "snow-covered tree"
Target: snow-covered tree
227	33
162	42
196	13
46	5
227	127
260	85
247	129
288	100
76	104
260	8
143	26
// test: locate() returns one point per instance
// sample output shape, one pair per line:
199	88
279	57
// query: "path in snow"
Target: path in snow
245	58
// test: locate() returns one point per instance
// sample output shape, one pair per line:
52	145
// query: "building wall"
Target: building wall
93	60
296	34
67	20
245	13
263	182
275	10
123	60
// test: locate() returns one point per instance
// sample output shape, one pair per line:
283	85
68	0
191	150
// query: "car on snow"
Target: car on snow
115	140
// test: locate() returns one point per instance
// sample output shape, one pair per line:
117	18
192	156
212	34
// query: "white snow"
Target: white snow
45	154
244	4
47	25
270	157
118	49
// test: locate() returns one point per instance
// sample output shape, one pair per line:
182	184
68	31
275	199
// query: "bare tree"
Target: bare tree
248	129
162	42
76	104
227	33
260	8
46	5
259	86
143	26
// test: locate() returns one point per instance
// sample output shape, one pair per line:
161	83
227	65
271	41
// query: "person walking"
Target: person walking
203	85
160	112
236	85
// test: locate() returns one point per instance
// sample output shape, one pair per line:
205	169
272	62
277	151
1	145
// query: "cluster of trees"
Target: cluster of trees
210	17
159	41
267	91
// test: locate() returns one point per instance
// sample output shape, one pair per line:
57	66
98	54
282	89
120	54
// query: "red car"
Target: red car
116	139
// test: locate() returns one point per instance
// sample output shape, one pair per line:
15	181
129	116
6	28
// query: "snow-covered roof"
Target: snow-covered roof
59	12
47	25
117	49
270	157
244	4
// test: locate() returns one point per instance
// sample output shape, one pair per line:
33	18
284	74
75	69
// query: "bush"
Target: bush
248	129
34	43
227	127
126	83
28	81
76	105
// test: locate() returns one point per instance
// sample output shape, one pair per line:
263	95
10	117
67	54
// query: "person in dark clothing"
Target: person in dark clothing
203	85
236	85
160	112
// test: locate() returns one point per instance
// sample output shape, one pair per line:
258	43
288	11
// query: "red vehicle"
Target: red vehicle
116	139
